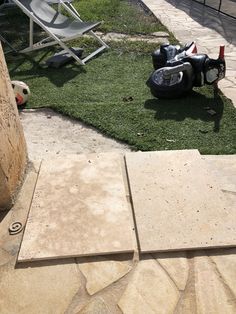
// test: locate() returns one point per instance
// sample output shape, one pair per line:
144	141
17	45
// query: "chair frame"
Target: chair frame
53	39
6	4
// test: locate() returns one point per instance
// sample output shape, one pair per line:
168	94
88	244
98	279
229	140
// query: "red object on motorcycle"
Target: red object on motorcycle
222	52
194	49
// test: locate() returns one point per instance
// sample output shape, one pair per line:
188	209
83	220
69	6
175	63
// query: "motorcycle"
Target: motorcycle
178	70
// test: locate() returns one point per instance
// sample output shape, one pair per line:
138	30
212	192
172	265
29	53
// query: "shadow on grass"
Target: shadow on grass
194	106
37	68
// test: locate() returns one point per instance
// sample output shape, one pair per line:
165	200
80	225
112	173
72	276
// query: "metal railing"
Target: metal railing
227	7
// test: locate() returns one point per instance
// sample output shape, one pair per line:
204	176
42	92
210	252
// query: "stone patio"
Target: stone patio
201	281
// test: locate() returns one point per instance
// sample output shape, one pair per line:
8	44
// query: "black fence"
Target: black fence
227	7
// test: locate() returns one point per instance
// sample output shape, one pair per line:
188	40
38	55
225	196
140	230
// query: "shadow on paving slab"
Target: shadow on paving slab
129	257
78	260
191	253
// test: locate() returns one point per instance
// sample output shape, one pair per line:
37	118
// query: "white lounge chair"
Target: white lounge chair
59	27
67	2
4	5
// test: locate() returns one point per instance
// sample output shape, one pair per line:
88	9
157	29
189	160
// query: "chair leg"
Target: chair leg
93	54
71	53
73	9
31	33
98	38
7	43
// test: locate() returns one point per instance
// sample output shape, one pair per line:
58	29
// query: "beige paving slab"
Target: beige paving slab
225	265
103	272
41	289
178	203
213	295
79	208
224	168
150	291
176	265
96	306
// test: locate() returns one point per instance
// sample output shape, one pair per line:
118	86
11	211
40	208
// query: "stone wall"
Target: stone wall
13	154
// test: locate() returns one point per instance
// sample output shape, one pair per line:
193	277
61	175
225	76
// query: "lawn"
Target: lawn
110	92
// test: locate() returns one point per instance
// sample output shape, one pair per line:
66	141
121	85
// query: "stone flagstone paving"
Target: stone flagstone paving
174	282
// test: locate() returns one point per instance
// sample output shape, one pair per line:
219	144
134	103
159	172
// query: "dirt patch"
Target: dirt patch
49	134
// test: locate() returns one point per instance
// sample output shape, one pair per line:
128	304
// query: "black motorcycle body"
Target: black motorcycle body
178	70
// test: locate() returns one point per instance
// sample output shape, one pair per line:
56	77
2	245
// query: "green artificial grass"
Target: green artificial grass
119	16
110	93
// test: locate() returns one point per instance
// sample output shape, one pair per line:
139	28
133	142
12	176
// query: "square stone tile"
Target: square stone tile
79	209
177	202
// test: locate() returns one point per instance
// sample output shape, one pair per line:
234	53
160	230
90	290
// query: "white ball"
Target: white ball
21	91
